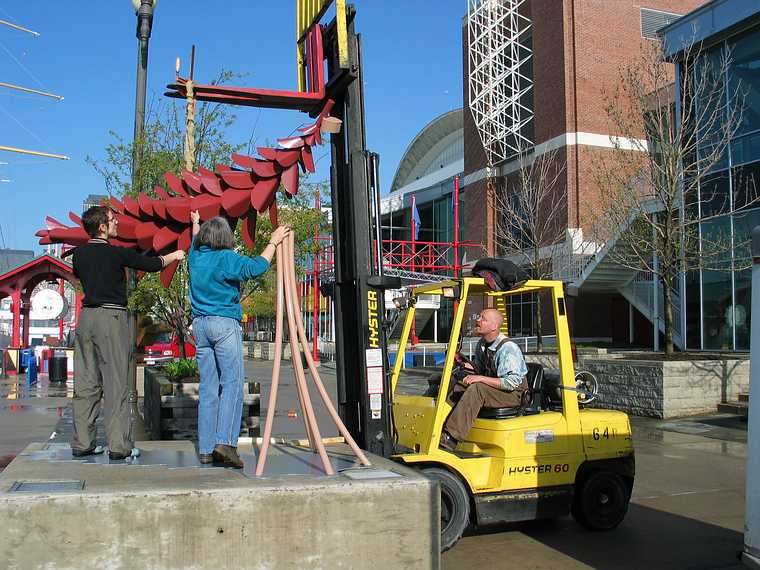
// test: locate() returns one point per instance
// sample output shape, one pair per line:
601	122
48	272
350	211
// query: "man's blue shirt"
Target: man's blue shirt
215	278
509	361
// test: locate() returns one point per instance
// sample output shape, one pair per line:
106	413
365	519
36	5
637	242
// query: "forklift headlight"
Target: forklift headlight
451	292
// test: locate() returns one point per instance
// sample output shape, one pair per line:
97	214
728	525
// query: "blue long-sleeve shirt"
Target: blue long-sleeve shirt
215	278
508	360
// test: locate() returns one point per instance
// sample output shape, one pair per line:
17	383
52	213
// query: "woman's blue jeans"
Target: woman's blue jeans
219	345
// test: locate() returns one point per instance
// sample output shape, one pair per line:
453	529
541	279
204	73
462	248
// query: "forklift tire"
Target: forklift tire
601	501
455	505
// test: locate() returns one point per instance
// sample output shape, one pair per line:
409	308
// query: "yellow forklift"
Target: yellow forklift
547	458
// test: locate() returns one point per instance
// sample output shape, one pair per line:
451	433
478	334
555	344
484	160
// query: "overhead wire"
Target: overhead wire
22	66
22	125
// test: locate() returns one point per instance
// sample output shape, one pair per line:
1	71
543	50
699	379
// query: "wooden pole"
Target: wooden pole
28	90
33	152
19	28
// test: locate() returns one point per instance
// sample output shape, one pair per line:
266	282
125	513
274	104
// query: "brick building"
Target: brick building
568	54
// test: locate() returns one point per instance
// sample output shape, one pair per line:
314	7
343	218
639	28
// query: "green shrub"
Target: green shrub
180	369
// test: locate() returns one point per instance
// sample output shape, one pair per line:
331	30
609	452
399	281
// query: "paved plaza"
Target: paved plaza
687	509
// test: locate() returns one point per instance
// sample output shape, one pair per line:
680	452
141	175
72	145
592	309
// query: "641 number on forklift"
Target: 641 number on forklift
597	434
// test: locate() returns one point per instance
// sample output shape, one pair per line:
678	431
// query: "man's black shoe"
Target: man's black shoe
114	456
86	452
227	456
447	442
206	458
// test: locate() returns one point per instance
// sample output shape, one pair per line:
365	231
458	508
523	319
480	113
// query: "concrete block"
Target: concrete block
200	518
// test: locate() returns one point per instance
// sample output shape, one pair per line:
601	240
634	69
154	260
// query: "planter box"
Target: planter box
171	409
265	350
667	389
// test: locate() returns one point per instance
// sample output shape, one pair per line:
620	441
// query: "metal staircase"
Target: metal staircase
603	274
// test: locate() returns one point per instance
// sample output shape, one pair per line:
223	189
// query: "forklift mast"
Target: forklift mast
359	293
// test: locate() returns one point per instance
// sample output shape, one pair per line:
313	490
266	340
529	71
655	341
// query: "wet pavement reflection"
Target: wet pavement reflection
29	413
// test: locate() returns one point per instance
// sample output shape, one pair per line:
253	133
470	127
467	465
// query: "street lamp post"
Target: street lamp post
144	11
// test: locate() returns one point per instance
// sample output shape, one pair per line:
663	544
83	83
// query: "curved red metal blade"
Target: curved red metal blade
267	152
236	202
286	158
163	194
159	209
219	168
117	205
76	219
291	142
185	239
144	233
248	231
74	236
290	180
193	181
307	159
210	182
241	179
126	227
263	194
145	204
175	184
262	168
208	206
167	273
131	206
273	214
163	239
178	209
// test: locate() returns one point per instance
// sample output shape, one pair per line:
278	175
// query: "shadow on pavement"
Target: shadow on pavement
647	539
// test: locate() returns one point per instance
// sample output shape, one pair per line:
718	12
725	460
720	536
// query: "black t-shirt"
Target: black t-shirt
100	268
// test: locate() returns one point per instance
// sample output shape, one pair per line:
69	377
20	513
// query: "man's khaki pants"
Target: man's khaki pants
468	400
102	350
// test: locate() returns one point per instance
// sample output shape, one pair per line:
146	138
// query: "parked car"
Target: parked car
165	348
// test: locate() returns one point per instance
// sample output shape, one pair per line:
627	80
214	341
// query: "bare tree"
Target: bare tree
656	183
532	215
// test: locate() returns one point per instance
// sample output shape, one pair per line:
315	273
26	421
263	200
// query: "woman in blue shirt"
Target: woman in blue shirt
216	273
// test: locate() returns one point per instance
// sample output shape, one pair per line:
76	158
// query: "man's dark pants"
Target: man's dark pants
102	351
468	400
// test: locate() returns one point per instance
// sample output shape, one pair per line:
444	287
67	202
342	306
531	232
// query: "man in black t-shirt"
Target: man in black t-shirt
104	340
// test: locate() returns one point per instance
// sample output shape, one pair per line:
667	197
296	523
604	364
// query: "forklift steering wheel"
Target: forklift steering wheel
459	371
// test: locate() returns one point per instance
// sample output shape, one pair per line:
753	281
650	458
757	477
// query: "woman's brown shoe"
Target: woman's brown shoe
227	456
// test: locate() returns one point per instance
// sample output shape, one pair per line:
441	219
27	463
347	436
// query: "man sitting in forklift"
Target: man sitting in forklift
495	379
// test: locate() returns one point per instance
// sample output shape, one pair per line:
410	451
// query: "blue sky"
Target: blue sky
412	73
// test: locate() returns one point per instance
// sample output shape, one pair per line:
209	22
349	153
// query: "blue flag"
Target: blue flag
415	217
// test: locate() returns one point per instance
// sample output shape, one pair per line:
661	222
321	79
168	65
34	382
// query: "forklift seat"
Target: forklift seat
531	403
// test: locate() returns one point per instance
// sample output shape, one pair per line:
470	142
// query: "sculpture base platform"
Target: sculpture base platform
166	510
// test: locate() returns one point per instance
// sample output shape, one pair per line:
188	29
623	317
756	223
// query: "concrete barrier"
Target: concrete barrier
200	518
667	389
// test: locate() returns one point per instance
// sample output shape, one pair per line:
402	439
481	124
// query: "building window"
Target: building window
654	20
717	297
693	304
744	80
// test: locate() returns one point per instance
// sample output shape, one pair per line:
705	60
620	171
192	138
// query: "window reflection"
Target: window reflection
716	285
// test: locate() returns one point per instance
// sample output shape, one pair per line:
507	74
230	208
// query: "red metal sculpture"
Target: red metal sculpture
240	192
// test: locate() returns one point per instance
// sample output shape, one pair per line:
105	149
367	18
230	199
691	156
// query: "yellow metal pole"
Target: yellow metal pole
340	20
19	28
35	91
33	152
